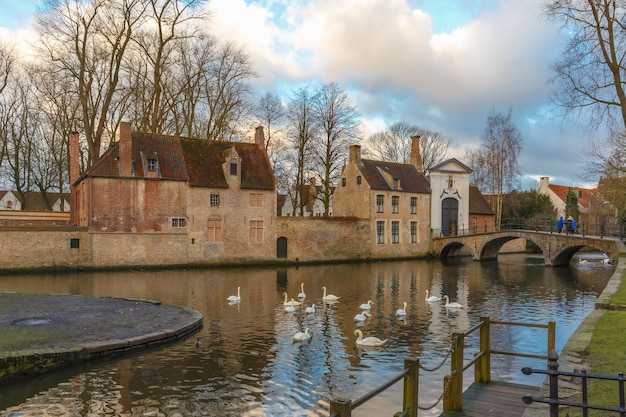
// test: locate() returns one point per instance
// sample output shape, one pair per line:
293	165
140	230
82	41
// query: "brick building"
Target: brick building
395	198
207	199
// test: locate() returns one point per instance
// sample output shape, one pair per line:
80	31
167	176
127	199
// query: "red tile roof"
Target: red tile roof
584	194
411	180
198	161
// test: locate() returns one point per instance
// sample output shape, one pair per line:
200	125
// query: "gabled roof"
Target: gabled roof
411	180
451	165
584	195
198	161
477	202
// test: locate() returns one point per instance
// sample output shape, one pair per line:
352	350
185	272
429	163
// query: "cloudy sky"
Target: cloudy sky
441	65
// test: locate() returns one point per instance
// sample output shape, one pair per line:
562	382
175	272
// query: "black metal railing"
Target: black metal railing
554	401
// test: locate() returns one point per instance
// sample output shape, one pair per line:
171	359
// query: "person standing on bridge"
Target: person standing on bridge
573	226
569	223
559	224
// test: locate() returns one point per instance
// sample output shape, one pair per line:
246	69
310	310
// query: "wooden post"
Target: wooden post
551	336
341	407
482	367
553	368
411	386
455	390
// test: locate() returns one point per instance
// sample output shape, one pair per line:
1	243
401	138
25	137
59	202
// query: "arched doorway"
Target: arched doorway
449	216
281	247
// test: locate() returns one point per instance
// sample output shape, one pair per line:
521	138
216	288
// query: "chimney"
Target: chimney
259	137
544	184
416	158
74	173
125	150
355	154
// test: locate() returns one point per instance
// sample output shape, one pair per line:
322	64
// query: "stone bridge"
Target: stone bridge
557	249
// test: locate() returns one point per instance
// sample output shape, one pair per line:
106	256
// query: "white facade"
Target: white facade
449	184
9	201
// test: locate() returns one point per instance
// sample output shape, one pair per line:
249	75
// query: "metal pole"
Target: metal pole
553	368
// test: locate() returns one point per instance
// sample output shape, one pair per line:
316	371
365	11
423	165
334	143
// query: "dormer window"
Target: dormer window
233	168
151	164
396	184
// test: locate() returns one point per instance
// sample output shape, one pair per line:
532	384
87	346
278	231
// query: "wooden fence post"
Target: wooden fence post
411	386
454	391
341	407
482	367
551	336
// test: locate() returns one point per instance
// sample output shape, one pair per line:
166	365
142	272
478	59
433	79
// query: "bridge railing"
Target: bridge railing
601	229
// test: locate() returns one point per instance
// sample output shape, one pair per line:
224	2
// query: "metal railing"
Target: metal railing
554	401
453	397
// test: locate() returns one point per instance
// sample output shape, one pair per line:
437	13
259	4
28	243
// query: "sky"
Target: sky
441	65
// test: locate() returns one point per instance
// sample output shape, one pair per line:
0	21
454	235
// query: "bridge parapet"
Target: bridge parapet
557	249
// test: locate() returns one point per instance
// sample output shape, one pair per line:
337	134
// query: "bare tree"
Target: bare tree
338	121
270	113
87	42
499	151
588	77
394	145
301	135
7	66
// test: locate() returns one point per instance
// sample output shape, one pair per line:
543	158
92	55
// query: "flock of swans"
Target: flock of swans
371	341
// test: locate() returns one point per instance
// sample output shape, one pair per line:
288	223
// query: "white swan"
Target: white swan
235	297
366	306
364	315
310	310
401	312
291	307
451	305
329	297
292	302
432	298
302	295
368	341
302	336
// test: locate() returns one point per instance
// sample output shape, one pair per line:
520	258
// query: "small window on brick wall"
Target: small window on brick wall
215	200
178	222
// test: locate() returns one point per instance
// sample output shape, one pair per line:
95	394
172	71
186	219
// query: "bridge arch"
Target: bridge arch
557	249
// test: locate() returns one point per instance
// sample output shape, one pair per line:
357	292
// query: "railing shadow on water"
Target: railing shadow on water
452	394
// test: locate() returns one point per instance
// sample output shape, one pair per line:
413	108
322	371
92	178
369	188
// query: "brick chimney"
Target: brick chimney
74	173
355	154
416	157
259	137
125	150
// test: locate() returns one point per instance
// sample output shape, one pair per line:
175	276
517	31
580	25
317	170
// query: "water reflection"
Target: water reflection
248	364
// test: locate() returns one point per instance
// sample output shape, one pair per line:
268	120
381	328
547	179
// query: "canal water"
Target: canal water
248	364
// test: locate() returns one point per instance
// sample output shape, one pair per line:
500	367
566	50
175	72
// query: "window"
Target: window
396	184
215	200
151	164
394	204
256	231
413	205
9	204
257	200
413	232
380	203
178	222
580	194
233	168
358	179
395	232
214	228
380	232
343	182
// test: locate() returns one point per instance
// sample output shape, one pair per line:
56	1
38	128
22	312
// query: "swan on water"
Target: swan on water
291	307
235	297
432	298
401	311
329	297
292	302
366	306
301	295
310	310
302	336
451	305
362	316
368	341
